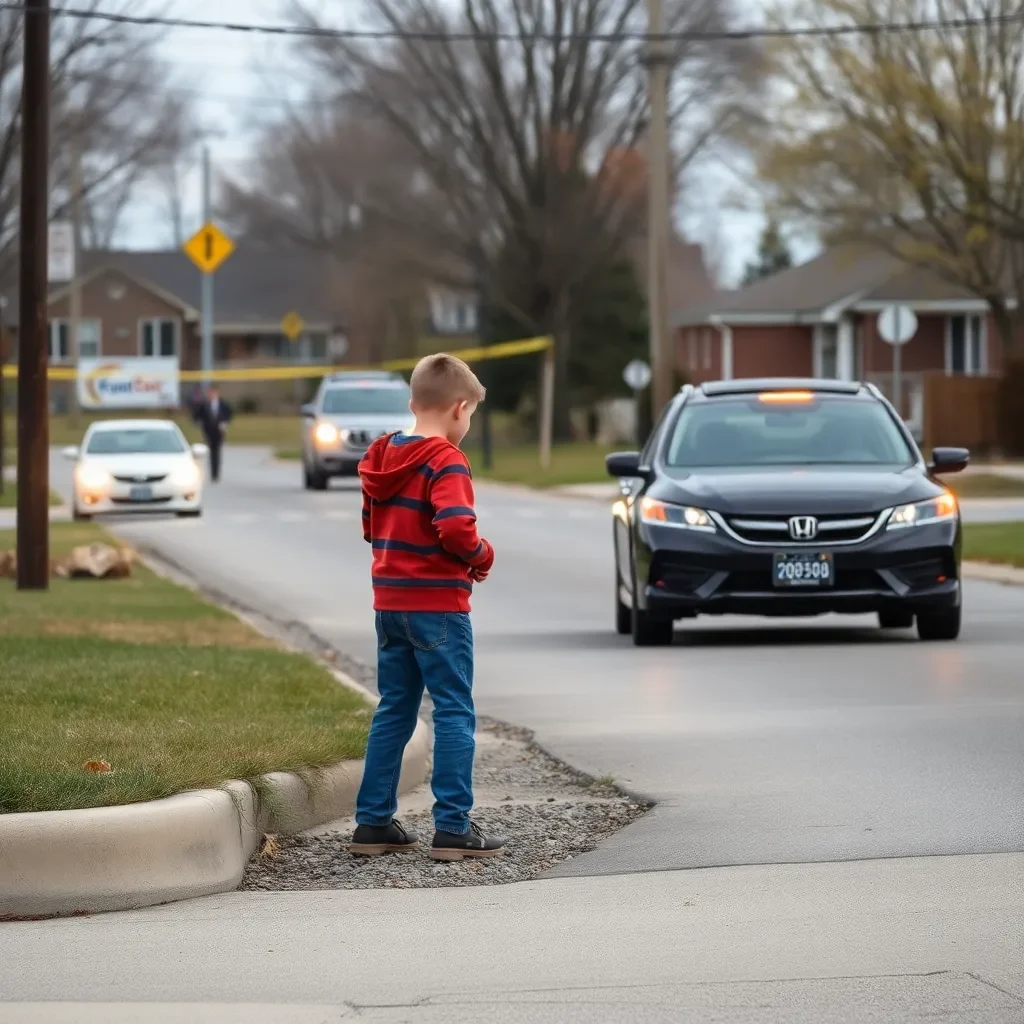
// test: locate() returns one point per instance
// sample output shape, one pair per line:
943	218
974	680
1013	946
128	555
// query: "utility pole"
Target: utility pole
207	312
75	294
483	330
659	217
33	397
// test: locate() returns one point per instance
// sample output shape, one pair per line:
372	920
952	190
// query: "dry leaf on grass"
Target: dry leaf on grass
269	848
98	767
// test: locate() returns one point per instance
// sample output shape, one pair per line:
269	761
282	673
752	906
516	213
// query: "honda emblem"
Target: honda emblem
803	527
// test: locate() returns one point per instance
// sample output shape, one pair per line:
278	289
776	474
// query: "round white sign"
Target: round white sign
637	374
897	324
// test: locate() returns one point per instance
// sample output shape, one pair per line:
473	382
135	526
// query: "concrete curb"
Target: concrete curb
62	863
993	572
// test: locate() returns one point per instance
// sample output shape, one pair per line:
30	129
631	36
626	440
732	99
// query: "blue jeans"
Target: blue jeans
416	650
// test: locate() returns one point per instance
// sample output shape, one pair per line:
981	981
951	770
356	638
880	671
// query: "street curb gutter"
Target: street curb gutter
60	863
63	863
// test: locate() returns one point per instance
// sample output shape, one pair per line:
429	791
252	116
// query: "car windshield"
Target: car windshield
749	431
135	441
371	400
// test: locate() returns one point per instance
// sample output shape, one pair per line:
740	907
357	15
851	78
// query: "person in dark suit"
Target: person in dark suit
213	416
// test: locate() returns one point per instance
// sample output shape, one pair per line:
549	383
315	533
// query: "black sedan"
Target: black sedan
785	497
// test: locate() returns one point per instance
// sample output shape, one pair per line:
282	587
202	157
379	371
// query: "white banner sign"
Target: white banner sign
61	255
128	383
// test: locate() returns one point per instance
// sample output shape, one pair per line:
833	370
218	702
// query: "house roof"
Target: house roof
845	276
253	289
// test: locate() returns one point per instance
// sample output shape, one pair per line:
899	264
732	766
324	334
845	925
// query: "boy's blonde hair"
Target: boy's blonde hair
441	380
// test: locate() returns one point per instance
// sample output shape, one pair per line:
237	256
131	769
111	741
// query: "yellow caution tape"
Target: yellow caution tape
502	350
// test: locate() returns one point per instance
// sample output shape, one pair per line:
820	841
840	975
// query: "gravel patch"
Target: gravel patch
546	811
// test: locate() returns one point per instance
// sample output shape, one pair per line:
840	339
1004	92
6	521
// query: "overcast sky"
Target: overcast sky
239	80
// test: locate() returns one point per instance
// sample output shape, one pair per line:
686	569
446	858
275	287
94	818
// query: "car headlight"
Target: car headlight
920	513
661	513
93	478
186	475
326	433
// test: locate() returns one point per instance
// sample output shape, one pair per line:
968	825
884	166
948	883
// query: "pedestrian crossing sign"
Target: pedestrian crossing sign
209	247
292	326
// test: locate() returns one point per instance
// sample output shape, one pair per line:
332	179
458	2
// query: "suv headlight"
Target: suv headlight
326	433
661	513
921	513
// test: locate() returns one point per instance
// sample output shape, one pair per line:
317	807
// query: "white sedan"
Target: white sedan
126	466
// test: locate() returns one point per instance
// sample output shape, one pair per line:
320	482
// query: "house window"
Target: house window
60	341
158	337
88	339
965	344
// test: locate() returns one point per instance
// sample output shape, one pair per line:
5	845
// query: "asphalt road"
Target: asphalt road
763	742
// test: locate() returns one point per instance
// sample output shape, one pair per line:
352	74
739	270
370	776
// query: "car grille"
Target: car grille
364	438
835	529
141	478
759	581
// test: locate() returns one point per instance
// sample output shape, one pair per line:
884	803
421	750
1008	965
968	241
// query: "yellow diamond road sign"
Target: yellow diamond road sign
292	326
209	247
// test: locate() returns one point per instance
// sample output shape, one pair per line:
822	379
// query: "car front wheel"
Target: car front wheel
943	624
313	479
649	631
623	612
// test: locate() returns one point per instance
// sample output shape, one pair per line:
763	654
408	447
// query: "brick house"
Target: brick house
819	320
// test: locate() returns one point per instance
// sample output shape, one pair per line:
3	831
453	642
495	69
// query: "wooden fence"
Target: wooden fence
961	412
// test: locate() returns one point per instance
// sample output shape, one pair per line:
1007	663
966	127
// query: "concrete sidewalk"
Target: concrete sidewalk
862	941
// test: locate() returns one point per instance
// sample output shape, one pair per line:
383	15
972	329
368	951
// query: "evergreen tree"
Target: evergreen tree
773	254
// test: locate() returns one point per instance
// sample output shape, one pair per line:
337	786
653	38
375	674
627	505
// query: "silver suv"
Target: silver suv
350	411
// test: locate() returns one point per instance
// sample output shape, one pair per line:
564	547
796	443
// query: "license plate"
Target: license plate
810	569
140	494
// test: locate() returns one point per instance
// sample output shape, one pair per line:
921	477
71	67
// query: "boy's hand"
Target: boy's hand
477	575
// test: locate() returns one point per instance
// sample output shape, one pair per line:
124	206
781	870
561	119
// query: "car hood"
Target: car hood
385	423
813	490
131	465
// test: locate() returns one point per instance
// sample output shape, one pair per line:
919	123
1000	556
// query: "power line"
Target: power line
445	36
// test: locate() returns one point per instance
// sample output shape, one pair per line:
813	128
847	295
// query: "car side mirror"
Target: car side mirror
71	453
624	464
308	412
200	451
949	460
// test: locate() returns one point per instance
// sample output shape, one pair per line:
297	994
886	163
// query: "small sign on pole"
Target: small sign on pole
292	326
209	247
637	375
61	257
897	324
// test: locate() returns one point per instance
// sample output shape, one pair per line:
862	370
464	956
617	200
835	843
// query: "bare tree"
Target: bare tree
911	141
526	134
111	107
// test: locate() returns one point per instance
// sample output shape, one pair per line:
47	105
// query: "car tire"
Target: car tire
623	612
943	624
191	514
79	517
649	631
897	619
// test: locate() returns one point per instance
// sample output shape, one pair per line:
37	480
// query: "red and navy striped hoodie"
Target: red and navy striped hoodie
418	516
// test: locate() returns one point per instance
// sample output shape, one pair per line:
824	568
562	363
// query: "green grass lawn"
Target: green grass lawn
995	542
9	496
172	692
570	464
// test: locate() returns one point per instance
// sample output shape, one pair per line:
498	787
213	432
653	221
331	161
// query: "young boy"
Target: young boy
418	516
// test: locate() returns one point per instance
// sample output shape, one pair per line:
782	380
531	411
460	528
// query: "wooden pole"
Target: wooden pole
659	217
3	403
547	406
75	296
33	395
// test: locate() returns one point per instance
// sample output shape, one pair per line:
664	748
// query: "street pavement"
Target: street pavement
851	801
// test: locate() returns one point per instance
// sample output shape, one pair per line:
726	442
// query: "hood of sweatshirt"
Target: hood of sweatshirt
387	467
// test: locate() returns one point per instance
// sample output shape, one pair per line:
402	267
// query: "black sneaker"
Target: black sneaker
373	840
452	846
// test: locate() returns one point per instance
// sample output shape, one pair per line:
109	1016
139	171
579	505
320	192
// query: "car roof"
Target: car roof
101	425
756	385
